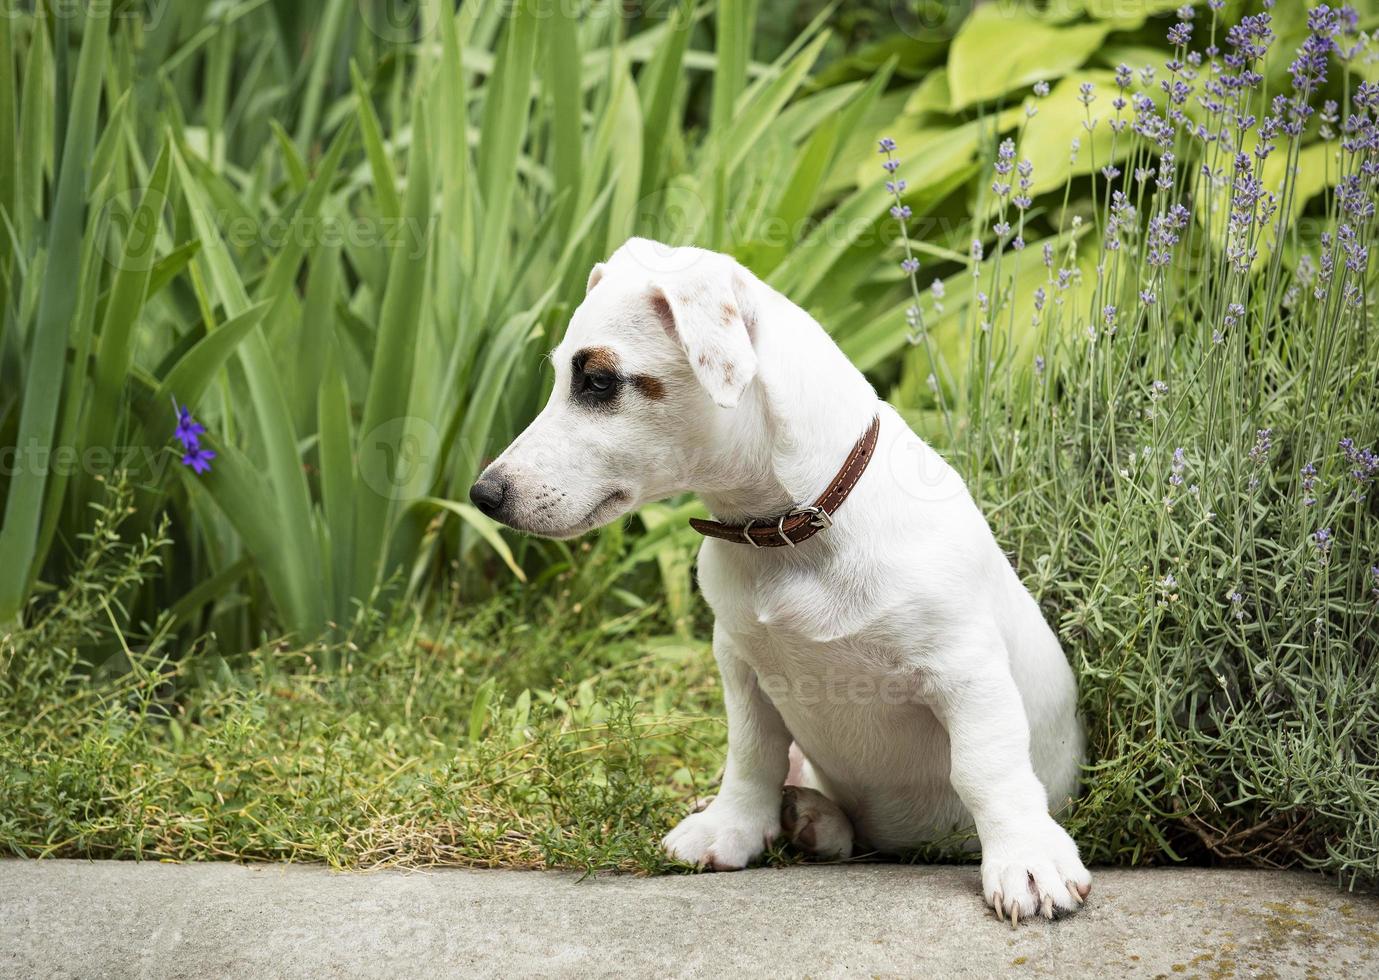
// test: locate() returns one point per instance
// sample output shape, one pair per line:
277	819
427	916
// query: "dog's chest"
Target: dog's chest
785	602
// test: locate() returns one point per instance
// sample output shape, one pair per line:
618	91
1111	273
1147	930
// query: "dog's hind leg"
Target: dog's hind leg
814	824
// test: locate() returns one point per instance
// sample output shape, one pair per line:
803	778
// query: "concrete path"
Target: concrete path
79	919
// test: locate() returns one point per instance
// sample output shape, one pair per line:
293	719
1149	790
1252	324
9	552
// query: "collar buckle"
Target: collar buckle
818	516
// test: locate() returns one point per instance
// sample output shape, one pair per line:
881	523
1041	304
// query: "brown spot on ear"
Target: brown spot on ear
649	386
704	360
598	360
729	314
661	306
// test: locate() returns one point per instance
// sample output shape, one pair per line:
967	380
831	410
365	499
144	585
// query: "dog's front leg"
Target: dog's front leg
1029	863
745	816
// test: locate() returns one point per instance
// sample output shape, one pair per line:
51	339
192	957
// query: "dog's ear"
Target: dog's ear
595	274
703	313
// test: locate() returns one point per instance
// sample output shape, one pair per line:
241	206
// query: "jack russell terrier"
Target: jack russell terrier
887	678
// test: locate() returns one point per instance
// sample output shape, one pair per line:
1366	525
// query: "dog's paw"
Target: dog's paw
1034	872
815	825
722	839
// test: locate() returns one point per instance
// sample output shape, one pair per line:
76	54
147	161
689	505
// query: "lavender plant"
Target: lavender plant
1183	461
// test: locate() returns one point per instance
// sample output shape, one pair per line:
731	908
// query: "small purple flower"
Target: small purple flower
1041	89
1364	466
199	459
910	264
1322	540
1309	484
1264	443
886	144
188	431
1179	464
1374	579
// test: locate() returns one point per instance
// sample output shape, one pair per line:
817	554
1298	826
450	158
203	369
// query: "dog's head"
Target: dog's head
647	377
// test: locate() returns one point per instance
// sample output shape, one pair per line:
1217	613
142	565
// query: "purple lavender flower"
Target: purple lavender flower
1179	465
1364	466
1322	540
910	264
886	145
188	431
199	459
1309	484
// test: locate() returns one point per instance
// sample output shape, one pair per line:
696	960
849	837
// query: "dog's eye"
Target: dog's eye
600	385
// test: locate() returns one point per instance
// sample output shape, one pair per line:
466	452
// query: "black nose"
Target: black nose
488	493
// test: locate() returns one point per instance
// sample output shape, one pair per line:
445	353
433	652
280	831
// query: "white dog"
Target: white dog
897	648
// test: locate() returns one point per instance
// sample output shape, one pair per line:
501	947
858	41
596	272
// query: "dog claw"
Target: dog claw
1075	892
1014	915
1000	910
1046	909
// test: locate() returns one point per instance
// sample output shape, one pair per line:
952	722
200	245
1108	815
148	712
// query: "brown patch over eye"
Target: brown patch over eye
596	360
649	387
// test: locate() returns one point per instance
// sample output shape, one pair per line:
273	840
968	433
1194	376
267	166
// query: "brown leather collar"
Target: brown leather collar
800	523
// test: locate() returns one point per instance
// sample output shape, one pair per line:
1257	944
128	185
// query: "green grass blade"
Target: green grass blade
386	405
485	528
506	105
134	270
384	178
196	369
44	384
